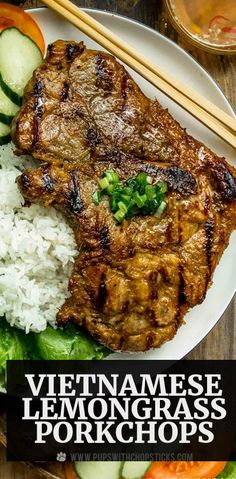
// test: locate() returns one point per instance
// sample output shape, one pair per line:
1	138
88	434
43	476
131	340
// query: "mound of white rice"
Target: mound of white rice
37	251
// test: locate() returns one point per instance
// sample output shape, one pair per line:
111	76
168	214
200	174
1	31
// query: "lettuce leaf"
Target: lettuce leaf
11	346
229	471
51	344
69	343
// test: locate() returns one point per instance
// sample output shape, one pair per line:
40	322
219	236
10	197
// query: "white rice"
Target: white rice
37	251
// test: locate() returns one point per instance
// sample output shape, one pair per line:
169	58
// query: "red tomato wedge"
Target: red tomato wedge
12	16
70	471
184	470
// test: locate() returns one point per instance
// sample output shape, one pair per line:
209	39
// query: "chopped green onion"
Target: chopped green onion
132	183
161	186
126	199
110	189
113	204
122	207
142	182
135	196
112	176
142	178
103	183
161	208
150	192
127	191
96	197
140	200
119	216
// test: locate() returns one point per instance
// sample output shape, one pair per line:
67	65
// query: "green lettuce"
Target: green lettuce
69	343
51	344
12	346
229	471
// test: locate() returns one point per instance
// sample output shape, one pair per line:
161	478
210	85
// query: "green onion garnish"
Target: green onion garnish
140	200
119	216
122	207
103	183
161	208
112	176
96	197
136	196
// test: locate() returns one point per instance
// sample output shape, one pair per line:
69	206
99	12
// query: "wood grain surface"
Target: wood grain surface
221	342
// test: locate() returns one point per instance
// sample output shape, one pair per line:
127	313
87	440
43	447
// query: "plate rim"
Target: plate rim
230	106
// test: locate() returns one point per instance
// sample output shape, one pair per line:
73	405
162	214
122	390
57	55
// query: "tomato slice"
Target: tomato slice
12	16
70	471
184	470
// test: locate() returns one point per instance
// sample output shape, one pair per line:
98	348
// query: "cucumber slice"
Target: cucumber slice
98	470
19	56
135	470
9	93
7	108
5	134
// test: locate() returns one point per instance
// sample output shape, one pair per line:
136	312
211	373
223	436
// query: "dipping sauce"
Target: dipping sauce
209	24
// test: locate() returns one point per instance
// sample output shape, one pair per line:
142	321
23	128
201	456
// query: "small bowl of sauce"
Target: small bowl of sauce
208	24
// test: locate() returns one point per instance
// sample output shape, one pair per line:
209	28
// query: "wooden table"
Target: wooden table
221	342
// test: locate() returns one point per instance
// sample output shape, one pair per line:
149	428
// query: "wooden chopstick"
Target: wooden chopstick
79	18
191	94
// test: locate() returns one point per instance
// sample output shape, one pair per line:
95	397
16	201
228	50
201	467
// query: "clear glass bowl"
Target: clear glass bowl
207	24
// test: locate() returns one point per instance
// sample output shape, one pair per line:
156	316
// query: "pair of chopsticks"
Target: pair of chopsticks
202	109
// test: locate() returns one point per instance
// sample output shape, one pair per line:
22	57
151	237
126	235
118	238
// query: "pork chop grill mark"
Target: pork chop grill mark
38	91
72	50
226	183
104	75
38	110
152	280
178	179
152	317
181	180
115	155
124	90
209	232
75	201
65	91
182	298
93	137
24	182
105	238
48	182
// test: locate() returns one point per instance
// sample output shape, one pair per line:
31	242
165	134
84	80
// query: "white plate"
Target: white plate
170	57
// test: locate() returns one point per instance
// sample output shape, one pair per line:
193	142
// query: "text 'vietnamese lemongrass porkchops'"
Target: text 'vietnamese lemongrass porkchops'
132	282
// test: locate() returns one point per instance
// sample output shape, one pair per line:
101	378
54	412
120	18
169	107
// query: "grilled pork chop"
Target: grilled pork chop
83	105
132	283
